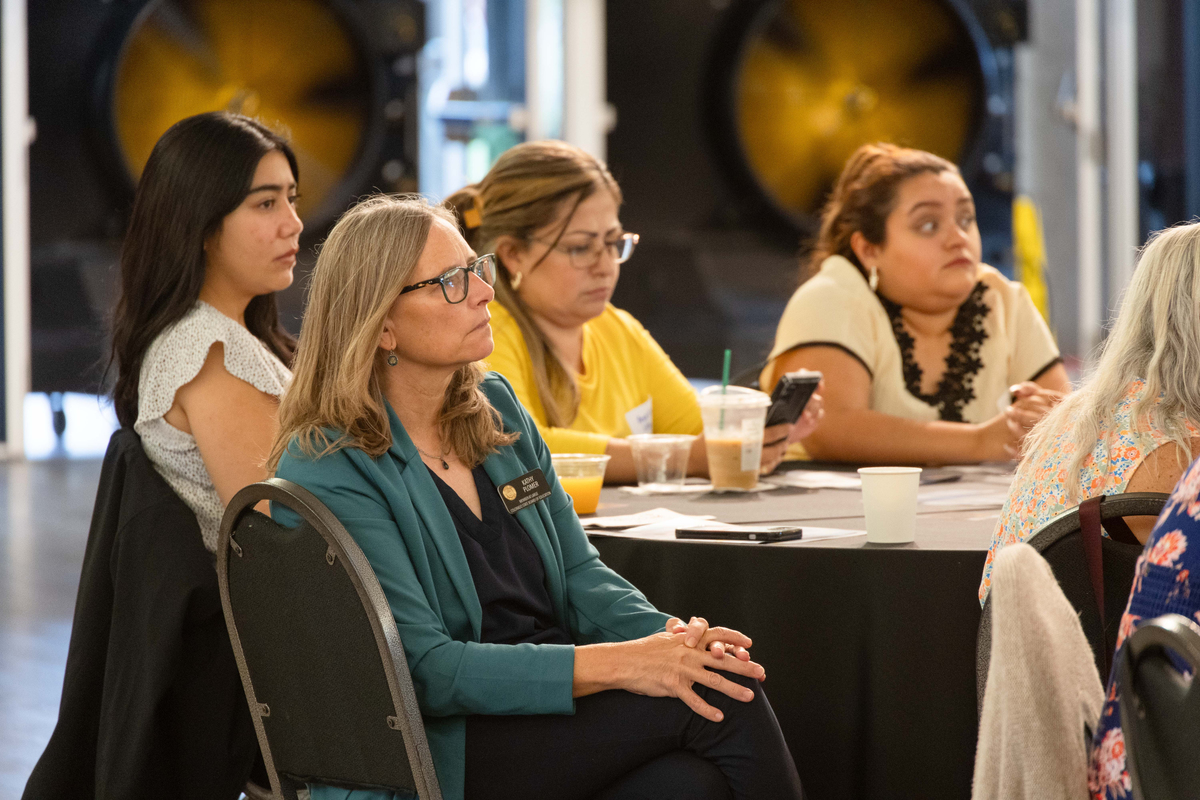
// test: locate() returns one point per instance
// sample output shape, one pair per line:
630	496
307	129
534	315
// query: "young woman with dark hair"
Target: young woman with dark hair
201	357
929	355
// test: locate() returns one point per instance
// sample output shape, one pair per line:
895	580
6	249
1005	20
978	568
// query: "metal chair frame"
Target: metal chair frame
1171	632
1117	506
406	715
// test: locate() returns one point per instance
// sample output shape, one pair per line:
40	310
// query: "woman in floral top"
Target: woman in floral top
1162	585
1133	426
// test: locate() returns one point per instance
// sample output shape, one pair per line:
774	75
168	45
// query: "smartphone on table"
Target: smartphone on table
743	533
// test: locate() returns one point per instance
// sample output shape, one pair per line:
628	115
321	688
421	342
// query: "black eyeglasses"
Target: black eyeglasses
455	282
585	256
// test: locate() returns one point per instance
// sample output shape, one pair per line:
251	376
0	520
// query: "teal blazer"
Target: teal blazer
393	510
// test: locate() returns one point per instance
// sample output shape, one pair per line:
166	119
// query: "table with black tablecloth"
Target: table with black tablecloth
869	649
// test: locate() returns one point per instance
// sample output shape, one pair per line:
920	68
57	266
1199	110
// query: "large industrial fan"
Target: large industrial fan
339	77
799	84
304	65
734	118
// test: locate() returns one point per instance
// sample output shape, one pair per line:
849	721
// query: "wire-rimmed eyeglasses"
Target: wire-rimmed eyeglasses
455	282
585	256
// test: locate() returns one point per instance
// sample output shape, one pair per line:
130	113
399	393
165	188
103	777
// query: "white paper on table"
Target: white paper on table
692	488
663	531
969	498
816	479
997	474
813	534
654	515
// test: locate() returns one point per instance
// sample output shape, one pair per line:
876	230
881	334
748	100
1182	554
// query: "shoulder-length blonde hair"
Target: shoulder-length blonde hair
529	187
367	259
1156	338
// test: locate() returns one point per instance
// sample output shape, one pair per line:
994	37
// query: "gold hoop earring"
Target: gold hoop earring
515	280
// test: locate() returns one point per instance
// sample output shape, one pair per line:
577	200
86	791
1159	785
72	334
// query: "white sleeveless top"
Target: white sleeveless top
174	359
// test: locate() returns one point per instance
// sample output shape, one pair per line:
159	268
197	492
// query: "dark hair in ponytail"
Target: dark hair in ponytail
197	174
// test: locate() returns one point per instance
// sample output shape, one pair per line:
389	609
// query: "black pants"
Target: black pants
622	746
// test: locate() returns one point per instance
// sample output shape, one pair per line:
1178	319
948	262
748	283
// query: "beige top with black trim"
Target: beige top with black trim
999	339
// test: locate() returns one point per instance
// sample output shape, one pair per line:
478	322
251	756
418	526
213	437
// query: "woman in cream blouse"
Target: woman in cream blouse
929	355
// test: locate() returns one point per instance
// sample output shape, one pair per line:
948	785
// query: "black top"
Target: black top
509	576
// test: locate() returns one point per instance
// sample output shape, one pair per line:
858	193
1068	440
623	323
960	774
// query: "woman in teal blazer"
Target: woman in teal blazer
387	395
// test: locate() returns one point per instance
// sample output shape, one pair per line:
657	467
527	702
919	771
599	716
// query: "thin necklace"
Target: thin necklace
441	458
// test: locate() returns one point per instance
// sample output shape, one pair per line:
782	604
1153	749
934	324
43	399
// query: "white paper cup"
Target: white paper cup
890	500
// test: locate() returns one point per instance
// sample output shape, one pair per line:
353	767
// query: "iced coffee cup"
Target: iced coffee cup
733	435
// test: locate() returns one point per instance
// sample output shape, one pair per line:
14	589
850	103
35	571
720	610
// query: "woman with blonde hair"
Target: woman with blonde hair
540	672
588	372
930	356
1133	425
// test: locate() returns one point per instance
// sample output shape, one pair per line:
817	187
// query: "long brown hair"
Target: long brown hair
366	260
198	173
864	196
529	187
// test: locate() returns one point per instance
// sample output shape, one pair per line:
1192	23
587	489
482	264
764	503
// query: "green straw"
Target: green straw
725	382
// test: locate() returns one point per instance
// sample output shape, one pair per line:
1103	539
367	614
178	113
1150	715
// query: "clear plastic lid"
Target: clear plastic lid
579	458
733	396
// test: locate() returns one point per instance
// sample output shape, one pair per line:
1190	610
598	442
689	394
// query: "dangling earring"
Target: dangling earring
873	280
515	280
391	359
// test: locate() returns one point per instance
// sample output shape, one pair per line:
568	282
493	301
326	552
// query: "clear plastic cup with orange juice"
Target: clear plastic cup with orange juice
581	476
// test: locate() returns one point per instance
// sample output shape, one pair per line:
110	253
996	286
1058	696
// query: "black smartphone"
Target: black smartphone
746	533
791	396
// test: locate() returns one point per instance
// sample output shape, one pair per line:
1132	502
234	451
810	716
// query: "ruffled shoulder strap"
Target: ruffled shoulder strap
177	355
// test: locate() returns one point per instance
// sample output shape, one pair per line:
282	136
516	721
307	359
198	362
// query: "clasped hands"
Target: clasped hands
686	654
666	664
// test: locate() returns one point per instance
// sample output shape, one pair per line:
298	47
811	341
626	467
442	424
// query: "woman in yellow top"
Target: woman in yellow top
588	373
930	356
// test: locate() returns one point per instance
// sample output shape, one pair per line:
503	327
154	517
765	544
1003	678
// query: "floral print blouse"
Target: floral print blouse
1038	492
1161	585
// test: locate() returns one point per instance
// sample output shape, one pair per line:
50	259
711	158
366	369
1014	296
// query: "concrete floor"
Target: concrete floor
45	510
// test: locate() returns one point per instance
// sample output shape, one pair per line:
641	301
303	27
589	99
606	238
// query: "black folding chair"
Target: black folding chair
1160	709
1094	572
318	650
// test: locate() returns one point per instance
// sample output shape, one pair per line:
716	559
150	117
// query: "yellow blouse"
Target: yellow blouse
628	384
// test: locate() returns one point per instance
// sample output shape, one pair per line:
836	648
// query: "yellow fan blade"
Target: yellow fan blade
826	76
290	63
